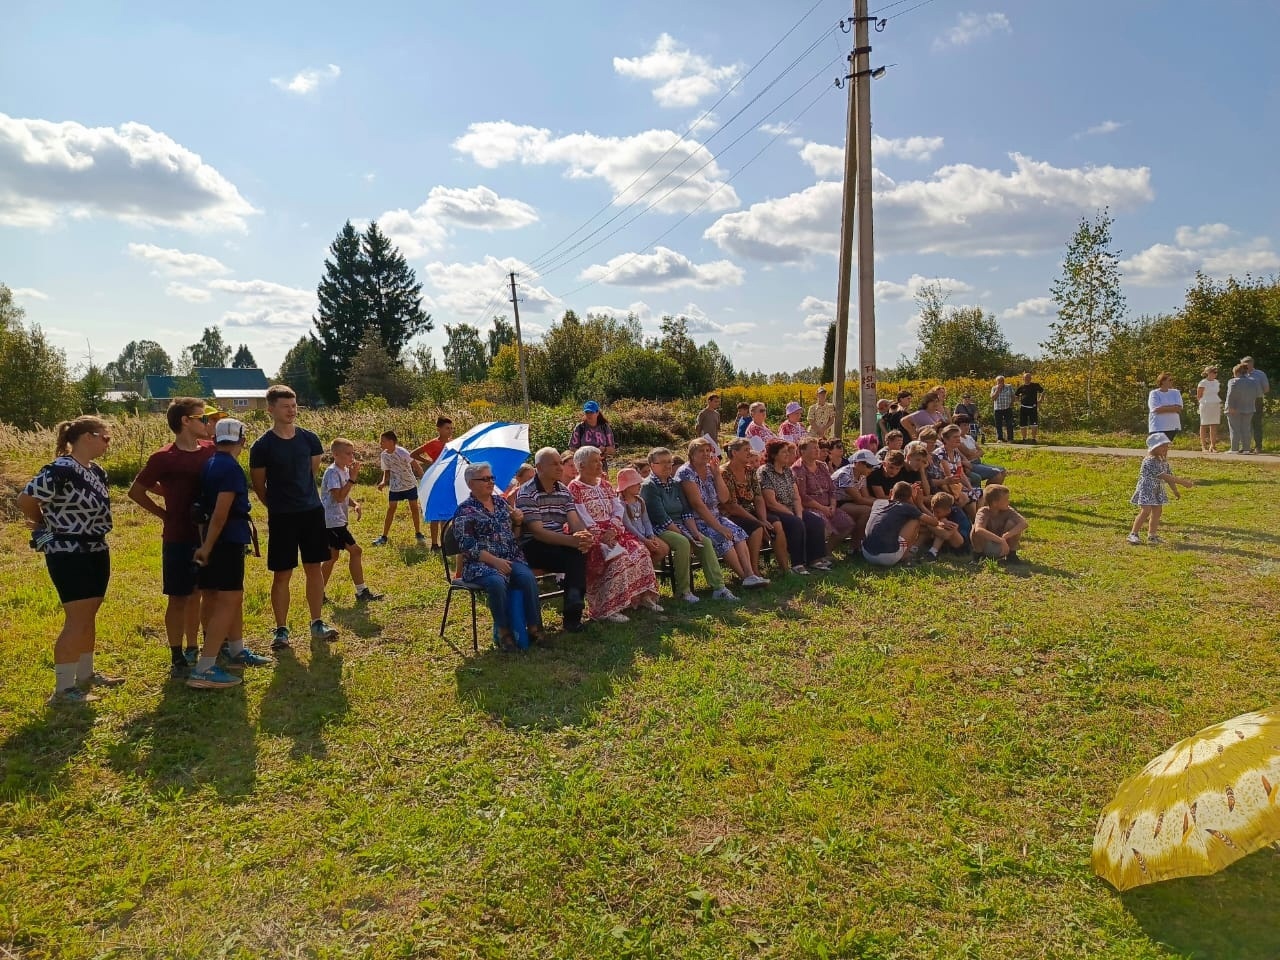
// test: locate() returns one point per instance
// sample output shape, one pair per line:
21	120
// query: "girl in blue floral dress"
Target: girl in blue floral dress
1150	496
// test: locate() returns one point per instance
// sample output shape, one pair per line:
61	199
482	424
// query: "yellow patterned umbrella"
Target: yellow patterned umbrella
1199	806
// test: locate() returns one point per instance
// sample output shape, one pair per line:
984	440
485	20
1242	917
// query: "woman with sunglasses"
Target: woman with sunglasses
68	508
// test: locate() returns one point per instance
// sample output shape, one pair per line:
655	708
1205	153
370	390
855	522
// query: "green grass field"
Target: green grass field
871	765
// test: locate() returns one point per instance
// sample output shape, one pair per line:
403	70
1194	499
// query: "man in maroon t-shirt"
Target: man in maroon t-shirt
174	473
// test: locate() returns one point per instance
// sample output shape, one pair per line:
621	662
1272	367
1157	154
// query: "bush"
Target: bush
631	372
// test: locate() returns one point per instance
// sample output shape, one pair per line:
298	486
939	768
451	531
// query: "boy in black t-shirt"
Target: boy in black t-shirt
1029	393
283	463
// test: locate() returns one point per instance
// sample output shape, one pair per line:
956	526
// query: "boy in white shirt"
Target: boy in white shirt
400	472
335	495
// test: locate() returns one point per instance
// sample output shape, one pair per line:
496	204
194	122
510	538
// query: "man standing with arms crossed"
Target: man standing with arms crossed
822	417
283	463
1260	378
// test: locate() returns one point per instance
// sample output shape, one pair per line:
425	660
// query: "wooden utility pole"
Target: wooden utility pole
866	244
843	292
524	383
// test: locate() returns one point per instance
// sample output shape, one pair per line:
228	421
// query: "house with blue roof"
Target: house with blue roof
234	389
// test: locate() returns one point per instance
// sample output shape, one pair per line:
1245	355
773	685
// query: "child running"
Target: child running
335	495
427	454
1150	495
400	472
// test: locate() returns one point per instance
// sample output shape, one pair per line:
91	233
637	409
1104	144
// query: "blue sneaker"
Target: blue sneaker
215	678
247	658
322	631
280	639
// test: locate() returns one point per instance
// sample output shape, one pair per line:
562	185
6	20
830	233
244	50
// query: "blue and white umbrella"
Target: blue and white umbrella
504	446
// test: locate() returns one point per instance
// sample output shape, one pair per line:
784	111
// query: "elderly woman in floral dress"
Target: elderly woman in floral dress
818	493
615	581
705	490
757	427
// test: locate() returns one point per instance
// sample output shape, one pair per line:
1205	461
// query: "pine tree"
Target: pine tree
367	283
210	351
1091	305
243	359
829	354
298	370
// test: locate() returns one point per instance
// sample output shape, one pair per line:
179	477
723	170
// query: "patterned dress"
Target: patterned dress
1151	491
816	485
616	585
706	484
478	529
760	430
795	432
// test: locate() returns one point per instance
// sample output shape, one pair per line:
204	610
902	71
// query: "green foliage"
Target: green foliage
631	372
298	370
503	333
210	350
1091	305
828	373
504	371
243	360
35	387
92	389
138	359
570	347
375	374
367	284
465	355
957	341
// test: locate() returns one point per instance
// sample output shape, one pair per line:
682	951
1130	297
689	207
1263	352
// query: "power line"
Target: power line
565	262
782	132
922	3
549	254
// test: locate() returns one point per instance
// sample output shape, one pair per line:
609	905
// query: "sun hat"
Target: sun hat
228	430
628	477
794	407
1157	440
591	407
866	457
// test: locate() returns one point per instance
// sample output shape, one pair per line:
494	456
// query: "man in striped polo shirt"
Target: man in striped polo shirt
553	536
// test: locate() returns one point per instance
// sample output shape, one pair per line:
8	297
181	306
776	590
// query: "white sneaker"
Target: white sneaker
691	598
617	618
799	570
1133	538
753	581
821	564
723	594
652	605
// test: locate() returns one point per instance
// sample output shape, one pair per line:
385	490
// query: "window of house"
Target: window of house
240	402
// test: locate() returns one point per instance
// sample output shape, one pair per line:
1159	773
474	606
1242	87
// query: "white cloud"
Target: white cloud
617	160
699	322
970	27
175	263
29	293
664	269
828	160
962	210
774	129
1099	129
50	171
818	315
641	310
308	80
703	122
186	292
683	78
911	287
425	229
467	288
825	159
264	303
1025	309
1208	248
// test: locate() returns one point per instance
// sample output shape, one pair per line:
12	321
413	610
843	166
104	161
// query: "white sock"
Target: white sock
235	646
360	587
64	676
933	551
205	663
84	668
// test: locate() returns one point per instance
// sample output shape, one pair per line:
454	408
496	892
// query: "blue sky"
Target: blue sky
168	168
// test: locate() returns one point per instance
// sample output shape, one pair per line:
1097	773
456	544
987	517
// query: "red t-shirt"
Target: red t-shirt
432	448
178	473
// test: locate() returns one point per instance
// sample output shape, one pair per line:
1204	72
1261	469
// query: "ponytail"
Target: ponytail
69	431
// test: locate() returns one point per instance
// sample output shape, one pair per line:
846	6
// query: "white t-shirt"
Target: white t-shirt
399	465
1212	393
335	511
1159	422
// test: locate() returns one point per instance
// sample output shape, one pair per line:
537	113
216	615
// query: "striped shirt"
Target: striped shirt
1002	397
549	508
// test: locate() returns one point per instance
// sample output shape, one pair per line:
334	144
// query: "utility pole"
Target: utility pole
846	246
524	383
862	77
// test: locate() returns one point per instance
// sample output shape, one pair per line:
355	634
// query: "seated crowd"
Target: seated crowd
800	500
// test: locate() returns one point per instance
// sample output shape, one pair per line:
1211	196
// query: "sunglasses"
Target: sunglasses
104	437
482	480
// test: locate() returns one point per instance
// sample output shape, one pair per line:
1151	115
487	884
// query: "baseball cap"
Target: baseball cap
793	407
228	430
591	407
1157	440
866	457
212	413
628	477
822	389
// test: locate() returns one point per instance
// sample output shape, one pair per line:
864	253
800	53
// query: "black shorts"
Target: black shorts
225	569
79	576
749	524
290	534
177	569
340	538
397	496
1028	416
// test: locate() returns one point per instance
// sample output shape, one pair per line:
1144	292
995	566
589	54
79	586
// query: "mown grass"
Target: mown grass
900	764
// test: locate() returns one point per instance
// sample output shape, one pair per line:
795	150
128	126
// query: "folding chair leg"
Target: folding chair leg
448	597
475	640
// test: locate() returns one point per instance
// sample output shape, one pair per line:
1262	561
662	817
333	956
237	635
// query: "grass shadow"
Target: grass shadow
412	556
192	738
304	699
1228	916
356	619
35	758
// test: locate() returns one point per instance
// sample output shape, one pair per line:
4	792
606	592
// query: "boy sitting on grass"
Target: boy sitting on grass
999	528
953	526
893	528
